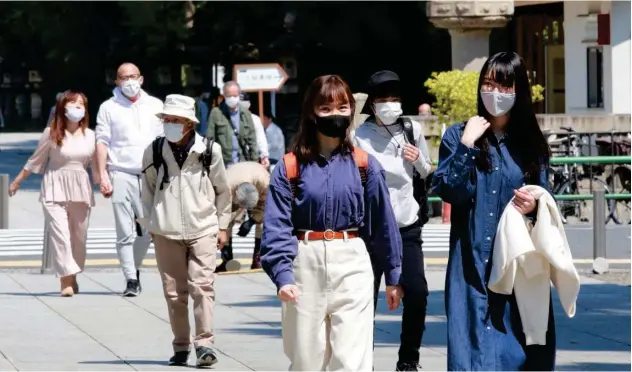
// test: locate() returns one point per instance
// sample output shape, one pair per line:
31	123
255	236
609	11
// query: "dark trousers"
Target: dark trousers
415	288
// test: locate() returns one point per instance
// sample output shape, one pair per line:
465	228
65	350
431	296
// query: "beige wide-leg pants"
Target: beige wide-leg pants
330	327
67	225
187	268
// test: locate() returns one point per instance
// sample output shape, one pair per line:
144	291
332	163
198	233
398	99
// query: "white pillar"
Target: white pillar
470	49
620	58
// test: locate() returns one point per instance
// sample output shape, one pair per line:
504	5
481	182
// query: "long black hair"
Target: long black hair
524	136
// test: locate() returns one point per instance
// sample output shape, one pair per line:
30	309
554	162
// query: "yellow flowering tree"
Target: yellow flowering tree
455	92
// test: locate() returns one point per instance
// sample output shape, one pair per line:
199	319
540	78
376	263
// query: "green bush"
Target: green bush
455	92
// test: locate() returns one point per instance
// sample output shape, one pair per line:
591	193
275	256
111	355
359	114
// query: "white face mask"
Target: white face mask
232	102
130	88
173	132
388	112
498	104
75	114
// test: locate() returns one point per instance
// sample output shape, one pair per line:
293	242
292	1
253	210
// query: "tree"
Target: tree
456	95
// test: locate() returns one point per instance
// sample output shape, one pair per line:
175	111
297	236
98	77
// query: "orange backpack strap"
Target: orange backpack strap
361	159
291	170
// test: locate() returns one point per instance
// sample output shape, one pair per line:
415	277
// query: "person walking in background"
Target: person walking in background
186	204
202	110
275	137
249	183
483	165
398	143
425	110
232	128
65	150
126	125
327	207
262	141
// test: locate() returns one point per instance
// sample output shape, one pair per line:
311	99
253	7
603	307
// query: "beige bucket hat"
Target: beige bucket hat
179	105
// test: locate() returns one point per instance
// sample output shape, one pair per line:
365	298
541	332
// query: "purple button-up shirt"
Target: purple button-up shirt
329	195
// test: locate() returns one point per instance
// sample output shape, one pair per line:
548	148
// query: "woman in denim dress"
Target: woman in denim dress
483	164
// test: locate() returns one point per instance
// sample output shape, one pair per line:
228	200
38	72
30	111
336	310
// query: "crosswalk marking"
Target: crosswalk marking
102	241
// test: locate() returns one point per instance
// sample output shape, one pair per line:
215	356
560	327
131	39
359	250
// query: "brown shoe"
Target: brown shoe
75	285
66	286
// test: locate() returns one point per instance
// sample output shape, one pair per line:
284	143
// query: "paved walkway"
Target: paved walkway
99	330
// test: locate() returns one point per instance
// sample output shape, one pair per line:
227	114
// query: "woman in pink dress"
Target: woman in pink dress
64	151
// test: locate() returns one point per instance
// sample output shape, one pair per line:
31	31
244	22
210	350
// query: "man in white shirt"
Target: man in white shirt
262	142
126	125
275	137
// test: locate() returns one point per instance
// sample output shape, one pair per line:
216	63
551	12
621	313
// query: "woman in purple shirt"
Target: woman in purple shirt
323	215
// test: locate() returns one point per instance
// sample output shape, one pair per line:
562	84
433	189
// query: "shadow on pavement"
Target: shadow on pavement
12	161
133	362
56	294
594	367
259	301
601	323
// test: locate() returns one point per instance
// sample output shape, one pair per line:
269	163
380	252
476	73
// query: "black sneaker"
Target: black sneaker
221	268
132	289
180	358
206	357
405	366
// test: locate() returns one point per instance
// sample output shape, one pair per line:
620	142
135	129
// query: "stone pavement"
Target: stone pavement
99	330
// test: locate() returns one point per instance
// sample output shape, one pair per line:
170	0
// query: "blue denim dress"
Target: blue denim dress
484	328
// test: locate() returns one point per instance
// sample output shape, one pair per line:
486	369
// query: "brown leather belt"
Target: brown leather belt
327	235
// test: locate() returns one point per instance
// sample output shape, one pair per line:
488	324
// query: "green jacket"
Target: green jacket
220	129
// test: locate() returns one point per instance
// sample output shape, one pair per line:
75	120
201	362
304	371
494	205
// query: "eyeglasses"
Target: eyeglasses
127	77
490	86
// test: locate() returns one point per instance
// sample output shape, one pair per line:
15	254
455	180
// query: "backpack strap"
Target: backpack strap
361	159
158	160
291	171
207	157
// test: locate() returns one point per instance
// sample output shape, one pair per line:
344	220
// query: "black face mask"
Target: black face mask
334	126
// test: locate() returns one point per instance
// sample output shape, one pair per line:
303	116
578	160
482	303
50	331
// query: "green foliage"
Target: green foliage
456	94
537	93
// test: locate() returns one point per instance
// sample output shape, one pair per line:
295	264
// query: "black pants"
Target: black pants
415	289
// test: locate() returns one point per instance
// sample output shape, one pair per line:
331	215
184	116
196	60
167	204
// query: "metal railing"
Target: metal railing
580	160
599	198
626	159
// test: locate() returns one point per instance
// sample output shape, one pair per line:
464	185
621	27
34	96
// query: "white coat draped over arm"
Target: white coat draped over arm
528	257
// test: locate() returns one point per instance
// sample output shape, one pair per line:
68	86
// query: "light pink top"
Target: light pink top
66	178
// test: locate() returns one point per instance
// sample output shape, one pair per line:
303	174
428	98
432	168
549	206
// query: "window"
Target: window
594	56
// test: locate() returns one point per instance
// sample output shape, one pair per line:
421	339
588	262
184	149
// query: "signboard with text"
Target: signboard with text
262	77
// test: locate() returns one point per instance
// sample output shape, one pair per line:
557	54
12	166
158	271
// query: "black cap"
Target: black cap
383	83
382	77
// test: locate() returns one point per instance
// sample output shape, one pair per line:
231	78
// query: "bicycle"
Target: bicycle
571	180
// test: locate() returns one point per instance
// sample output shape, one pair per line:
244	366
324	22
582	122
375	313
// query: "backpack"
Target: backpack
420	192
360	157
159	160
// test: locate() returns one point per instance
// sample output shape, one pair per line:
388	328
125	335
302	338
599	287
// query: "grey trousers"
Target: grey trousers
130	246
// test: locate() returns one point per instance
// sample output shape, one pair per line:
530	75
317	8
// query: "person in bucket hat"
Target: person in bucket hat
187	207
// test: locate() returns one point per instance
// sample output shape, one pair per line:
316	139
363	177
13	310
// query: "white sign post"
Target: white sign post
262	77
